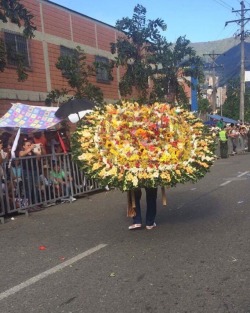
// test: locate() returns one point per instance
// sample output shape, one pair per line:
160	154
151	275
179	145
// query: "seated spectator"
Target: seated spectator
61	181
46	185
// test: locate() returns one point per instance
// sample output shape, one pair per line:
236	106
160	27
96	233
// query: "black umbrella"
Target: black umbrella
74	106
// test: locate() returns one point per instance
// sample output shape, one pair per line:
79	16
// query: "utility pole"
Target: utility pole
242	35
213	56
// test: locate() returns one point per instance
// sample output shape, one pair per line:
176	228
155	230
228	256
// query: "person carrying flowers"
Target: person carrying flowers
151	200
131	146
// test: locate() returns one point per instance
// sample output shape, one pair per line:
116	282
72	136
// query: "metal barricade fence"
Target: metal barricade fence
30	182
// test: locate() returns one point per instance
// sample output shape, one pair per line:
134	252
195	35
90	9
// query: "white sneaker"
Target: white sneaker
151	226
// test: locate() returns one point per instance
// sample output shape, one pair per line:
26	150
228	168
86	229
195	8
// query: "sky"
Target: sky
198	20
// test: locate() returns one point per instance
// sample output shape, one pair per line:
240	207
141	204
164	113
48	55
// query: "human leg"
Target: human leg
151	197
137	220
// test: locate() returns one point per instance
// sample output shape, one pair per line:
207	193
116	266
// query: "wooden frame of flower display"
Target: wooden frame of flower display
131	146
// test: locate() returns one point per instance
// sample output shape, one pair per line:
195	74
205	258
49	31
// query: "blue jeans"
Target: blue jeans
151	197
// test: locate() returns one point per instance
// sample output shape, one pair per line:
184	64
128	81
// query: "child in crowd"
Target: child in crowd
61	180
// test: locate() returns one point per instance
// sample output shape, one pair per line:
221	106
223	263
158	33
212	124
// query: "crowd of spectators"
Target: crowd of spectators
36	173
233	136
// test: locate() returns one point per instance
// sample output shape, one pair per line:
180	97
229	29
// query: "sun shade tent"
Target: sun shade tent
25	118
225	119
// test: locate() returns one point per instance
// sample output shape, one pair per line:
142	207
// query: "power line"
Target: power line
242	21
227	7
223	4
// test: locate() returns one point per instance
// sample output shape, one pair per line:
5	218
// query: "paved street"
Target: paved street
197	260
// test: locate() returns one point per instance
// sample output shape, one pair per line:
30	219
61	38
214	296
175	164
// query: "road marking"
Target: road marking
229	181
226	182
53	270
242	174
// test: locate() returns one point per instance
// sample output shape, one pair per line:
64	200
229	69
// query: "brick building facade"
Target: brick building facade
57	28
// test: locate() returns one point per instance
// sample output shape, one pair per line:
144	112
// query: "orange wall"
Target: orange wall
56	21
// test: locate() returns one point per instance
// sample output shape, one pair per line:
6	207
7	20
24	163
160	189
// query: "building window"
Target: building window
17	49
102	66
66	52
69	59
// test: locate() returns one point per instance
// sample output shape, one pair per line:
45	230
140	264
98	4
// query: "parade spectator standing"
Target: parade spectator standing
248	140
52	144
223	143
243	138
233	137
3	157
220	124
151	197
39	138
30	169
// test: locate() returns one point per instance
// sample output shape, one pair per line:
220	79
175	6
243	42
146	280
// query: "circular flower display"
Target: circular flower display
131	145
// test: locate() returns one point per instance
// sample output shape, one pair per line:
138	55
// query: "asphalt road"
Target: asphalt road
195	261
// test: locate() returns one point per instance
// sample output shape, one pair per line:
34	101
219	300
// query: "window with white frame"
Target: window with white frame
17	50
102	64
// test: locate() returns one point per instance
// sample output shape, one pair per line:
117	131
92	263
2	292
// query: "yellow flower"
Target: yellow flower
84	145
114	152
96	166
189	170
165	176
134	157
135	181
86	156
112	172
165	157
143	175
102	173
129	177
86	133
178	172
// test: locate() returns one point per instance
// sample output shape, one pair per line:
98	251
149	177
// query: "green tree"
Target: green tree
247	104
231	107
16	13
133	50
204	106
144	53
173	65
76	71
232	103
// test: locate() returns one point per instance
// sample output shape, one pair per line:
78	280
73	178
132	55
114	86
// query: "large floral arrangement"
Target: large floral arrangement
131	145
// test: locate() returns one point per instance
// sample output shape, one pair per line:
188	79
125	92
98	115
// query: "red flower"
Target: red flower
174	143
